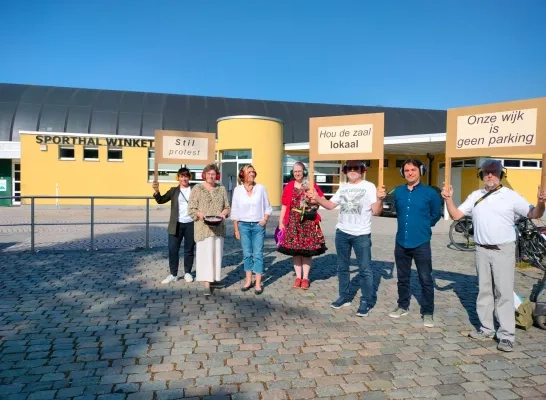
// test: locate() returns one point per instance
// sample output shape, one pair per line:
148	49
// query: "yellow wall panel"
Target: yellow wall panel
265	138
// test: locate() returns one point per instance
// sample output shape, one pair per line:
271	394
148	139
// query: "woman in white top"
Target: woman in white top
250	210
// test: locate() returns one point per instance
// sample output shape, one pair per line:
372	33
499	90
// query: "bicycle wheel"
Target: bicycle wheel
534	248
461	234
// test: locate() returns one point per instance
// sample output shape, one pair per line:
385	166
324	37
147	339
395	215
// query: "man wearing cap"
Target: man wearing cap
494	209
358	201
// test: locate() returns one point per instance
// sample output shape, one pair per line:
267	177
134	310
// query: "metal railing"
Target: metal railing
92	221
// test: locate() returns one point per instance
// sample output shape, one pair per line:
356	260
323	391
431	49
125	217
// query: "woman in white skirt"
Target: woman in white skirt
209	199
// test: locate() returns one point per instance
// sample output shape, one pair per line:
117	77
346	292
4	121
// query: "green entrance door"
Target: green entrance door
5	182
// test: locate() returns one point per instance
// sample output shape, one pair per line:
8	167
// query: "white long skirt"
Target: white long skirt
208	259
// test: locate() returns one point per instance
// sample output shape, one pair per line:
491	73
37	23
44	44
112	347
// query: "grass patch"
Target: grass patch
523	265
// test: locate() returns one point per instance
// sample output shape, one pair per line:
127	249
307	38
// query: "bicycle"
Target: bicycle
464	227
531	248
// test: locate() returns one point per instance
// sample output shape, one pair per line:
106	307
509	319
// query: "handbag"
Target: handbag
306	214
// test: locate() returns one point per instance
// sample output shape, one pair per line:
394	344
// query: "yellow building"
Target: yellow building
83	142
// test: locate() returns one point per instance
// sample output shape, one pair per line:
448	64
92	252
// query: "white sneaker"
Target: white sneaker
169	279
188	278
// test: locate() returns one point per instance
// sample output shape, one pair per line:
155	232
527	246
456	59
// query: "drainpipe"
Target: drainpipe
430	159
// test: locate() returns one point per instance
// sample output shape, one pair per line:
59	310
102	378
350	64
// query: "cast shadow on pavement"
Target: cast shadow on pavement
104	322
322	268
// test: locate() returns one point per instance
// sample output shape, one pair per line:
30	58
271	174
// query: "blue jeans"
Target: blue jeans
423	261
252	241
362	245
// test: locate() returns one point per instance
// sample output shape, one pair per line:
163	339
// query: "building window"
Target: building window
115	154
66	153
167	172
91	153
529	164
519	163
386	163
327	175
399	163
233	155
367	163
457	164
512	163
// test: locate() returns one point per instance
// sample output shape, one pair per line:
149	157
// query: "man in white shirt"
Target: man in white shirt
180	225
494	209
358	200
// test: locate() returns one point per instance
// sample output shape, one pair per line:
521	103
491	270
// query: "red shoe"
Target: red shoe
297	283
305	284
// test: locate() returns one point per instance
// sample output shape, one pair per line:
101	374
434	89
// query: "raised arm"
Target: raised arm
158	197
454	212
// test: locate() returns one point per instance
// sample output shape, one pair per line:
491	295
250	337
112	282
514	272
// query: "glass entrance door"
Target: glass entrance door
16	189
232	162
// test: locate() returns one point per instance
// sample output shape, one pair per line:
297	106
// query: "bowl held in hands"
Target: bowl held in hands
213	220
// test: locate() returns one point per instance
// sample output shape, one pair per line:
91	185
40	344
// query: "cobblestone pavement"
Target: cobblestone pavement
99	325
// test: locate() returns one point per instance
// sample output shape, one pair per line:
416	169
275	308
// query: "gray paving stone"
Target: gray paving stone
111	330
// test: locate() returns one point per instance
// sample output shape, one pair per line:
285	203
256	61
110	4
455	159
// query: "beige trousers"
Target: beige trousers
208	259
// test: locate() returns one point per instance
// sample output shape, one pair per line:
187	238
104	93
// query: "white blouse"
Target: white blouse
252	208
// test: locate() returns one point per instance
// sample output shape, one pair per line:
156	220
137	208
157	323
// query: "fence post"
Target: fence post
32	227
92	223
147	223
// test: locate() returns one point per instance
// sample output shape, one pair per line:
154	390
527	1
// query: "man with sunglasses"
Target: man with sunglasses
358	200
418	210
494	209
180	225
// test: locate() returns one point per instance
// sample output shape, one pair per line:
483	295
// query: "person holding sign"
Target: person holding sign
358	201
493	210
250	210
209	207
180	225
420	209
300	222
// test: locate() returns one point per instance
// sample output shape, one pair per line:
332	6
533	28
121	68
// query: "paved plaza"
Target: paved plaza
87	324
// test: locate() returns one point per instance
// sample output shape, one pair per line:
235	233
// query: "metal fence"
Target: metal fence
92	221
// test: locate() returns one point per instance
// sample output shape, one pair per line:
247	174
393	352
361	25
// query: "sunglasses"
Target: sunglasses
494	172
353	168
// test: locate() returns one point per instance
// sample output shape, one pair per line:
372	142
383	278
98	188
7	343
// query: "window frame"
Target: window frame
64	147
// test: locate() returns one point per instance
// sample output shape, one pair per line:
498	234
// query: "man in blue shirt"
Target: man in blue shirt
418	210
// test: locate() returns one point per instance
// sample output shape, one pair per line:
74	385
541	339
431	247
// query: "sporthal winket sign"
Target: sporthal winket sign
94	141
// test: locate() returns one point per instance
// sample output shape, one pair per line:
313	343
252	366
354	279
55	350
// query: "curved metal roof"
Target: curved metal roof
73	110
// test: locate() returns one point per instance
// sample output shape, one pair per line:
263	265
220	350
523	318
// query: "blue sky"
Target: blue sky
420	53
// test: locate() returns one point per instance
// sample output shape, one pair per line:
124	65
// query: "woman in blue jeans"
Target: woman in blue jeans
250	210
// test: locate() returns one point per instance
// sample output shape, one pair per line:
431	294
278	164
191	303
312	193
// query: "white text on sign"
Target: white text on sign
345	139
185	148
516	128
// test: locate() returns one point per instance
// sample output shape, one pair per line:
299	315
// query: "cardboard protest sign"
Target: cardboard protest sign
180	147
346	137
516	127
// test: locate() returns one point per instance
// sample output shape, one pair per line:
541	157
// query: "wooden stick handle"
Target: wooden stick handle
447	178
543	180
380	172
311	175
